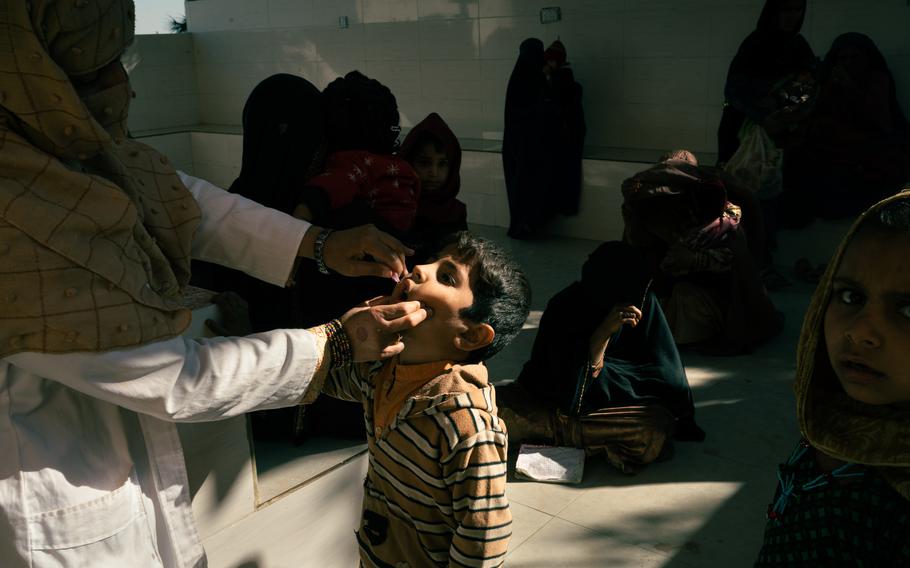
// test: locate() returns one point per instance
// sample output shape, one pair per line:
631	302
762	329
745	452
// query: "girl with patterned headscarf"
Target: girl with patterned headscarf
843	497
96	235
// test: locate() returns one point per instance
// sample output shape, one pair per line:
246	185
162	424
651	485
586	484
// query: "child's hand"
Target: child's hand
375	327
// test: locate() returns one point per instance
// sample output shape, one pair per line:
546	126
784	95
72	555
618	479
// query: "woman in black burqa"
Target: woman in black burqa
773	52
283	146
543	136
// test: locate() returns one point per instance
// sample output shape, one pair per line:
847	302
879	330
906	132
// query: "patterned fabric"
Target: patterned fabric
855	521
386	185
831	421
435	489
95	228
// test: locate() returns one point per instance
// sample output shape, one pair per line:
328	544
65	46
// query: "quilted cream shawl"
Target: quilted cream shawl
95	228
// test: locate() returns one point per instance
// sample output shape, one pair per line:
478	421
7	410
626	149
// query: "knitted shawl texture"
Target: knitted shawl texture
95	228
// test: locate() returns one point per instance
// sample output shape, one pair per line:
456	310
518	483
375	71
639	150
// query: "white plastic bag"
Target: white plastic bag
758	163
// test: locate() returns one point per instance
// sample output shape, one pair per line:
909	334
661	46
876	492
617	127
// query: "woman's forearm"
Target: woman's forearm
598	347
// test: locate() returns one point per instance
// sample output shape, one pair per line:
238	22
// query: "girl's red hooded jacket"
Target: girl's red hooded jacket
438	212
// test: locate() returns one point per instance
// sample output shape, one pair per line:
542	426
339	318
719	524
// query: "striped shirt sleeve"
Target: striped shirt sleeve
475	470
345	382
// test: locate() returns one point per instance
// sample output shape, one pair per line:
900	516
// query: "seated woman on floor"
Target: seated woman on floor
604	373
857	144
678	217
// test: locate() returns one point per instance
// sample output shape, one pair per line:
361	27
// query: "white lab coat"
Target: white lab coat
91	467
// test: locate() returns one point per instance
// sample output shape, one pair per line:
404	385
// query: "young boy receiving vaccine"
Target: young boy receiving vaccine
844	495
434	494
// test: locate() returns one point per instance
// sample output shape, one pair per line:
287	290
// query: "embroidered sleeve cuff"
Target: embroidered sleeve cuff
323	364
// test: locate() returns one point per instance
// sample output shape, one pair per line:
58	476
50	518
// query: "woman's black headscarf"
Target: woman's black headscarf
283	141
875	61
770	52
527	79
361	114
769	20
614	273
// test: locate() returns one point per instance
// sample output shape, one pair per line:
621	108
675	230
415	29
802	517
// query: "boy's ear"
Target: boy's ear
476	336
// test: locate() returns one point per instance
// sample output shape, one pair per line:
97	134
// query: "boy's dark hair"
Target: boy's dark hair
424	138
891	219
361	114
502	293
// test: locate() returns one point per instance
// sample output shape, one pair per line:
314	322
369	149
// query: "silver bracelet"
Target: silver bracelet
319	250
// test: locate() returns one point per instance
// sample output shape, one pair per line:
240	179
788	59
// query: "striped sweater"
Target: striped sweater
434	494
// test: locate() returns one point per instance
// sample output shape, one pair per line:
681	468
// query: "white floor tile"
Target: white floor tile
561	543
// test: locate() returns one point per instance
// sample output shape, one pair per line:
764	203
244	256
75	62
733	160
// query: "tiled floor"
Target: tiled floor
703	508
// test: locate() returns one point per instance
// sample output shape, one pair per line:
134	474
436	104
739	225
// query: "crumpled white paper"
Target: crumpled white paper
550	464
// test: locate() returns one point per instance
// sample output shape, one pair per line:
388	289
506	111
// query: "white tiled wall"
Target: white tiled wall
216	157
163	74
652	70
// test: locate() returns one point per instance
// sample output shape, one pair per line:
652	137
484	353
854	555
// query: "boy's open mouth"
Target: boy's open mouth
424	305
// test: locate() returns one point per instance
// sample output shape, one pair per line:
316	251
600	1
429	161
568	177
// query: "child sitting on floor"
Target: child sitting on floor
844	494
434	494
433	150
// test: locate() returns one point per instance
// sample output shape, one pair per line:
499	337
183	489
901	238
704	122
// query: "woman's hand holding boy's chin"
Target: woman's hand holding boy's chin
375	327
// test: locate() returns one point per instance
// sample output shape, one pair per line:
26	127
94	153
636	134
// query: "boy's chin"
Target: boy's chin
413	356
416	350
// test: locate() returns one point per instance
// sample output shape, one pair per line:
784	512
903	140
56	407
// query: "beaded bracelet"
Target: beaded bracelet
339	344
319	250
